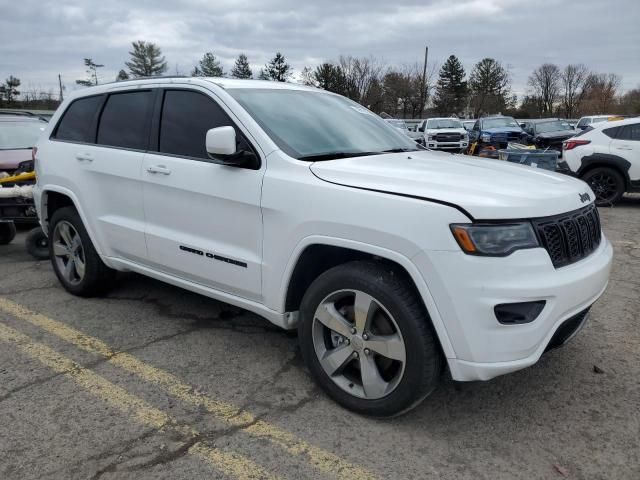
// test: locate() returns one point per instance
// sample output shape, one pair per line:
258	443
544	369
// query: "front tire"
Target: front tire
367	339
607	184
74	258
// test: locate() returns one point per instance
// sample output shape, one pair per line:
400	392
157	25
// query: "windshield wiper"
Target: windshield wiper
335	155
399	150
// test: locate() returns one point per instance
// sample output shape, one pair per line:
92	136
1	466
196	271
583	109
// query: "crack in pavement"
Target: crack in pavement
25	386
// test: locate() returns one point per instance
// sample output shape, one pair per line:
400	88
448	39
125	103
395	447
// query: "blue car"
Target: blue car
494	133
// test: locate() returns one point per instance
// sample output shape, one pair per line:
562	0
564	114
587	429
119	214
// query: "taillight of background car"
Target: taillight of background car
573	143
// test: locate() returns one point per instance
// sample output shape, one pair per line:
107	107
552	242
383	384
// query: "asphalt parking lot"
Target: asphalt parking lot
156	382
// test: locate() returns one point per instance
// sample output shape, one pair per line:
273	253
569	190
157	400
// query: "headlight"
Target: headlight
485	137
495	240
431	138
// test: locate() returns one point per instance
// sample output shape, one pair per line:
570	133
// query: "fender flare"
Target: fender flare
605	159
400	259
45	190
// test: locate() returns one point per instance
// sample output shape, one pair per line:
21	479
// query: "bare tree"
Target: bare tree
600	92
545	83
362	77
573	79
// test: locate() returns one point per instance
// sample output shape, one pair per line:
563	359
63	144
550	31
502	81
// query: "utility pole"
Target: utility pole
423	94
60	84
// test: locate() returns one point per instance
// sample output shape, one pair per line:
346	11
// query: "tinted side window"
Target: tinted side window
582	123
611	132
77	123
186	117
630	132
125	120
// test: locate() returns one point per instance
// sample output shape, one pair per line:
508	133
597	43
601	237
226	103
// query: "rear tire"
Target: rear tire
394	336
37	244
74	258
607	184
7	232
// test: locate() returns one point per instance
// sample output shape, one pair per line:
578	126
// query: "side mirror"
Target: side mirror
421	129
222	148
221	141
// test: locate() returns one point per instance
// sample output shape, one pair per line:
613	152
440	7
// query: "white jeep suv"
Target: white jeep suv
306	208
607	157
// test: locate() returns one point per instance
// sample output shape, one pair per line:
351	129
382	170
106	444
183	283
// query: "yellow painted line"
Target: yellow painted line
229	463
319	458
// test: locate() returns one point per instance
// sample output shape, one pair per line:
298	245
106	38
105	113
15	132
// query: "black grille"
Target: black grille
570	237
503	138
447	137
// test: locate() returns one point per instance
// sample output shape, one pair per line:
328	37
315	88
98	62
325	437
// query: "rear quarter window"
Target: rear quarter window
611	132
77	123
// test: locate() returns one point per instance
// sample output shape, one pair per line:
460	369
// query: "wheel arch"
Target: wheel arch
615	162
54	198
315	256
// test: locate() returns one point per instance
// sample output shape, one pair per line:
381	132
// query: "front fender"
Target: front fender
374	250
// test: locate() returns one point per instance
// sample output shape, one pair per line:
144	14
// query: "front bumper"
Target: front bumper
466	289
447	145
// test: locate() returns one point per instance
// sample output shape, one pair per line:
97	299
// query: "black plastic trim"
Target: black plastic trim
604	160
518	313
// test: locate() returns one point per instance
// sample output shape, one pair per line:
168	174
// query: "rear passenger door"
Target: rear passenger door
626	144
105	137
204	222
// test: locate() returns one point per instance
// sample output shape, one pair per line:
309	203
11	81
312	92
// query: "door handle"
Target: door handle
159	169
84	157
624	147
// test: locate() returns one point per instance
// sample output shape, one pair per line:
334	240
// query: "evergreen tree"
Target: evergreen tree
263	75
9	89
451	89
122	75
330	77
490	87
209	66
278	69
146	60
92	72
241	68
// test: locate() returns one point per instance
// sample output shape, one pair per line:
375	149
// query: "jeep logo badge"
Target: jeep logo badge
584	197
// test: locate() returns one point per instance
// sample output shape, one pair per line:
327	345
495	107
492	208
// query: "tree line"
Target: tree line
407	91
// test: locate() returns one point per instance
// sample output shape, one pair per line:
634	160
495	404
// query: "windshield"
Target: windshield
500	122
555	126
437	123
314	124
19	135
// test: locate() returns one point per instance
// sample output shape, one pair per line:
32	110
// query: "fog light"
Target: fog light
518	313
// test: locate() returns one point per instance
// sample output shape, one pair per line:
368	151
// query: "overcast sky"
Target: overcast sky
41	38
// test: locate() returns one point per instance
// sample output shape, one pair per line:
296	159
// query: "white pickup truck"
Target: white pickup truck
444	134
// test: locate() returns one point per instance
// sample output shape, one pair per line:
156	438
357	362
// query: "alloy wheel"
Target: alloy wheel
68	252
358	344
604	186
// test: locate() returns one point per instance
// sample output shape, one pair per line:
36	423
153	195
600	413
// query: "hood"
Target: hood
10	159
556	135
486	189
435	131
503	130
